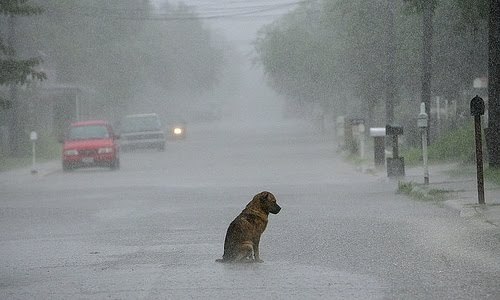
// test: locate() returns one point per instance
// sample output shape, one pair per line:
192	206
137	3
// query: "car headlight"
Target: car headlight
70	152
177	130
105	150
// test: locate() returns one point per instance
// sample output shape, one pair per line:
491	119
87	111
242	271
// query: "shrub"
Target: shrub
457	145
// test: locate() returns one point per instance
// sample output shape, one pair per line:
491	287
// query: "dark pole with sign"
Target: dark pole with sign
477	109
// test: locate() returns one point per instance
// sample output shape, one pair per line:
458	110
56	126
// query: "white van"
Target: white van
141	131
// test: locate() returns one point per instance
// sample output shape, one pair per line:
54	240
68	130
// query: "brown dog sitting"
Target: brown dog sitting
243	235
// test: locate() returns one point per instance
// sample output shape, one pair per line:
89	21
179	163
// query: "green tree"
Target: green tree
349	42
15	71
124	49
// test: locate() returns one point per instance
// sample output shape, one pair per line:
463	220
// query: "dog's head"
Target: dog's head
267	202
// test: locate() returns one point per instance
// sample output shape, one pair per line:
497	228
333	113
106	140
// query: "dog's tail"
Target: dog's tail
221	260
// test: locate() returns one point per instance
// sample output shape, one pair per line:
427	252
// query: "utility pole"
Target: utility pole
391	64
493	136
427	27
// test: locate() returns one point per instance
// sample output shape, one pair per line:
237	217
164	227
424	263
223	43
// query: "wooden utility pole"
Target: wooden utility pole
493	135
391	64
428	28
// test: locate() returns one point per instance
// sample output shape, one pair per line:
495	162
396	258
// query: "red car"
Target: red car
90	144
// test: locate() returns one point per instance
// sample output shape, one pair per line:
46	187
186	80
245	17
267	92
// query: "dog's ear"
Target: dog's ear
266	196
262	196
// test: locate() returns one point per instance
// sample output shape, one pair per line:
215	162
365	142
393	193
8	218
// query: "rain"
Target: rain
135	134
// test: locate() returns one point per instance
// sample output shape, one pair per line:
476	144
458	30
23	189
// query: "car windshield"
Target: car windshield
146	123
88	132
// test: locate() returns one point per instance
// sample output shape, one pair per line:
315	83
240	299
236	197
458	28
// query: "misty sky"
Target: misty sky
238	22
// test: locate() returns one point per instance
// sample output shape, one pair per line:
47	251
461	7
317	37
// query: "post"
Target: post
361	129
423	123
395	146
479	159
33	138
396	164
477	109
424	153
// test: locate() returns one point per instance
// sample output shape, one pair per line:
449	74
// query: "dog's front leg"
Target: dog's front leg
256	252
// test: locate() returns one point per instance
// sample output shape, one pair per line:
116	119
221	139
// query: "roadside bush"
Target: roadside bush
456	146
492	175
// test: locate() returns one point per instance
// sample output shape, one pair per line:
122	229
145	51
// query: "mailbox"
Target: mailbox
423	118
393	130
377	131
477	106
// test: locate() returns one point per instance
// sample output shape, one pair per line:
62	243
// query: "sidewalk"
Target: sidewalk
42	169
460	185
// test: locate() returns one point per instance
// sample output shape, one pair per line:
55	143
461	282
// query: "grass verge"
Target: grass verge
421	192
492	175
456	146
47	148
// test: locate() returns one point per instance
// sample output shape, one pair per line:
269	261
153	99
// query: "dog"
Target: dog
243	235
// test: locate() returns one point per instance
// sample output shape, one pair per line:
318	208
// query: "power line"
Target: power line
253	11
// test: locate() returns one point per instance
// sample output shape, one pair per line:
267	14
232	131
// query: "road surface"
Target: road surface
153	229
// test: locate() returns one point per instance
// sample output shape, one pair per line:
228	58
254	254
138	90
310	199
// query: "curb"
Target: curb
42	170
487	213
465	210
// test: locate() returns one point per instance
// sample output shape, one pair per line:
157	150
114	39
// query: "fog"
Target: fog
241	95
243	92
231	98
187	61
249	62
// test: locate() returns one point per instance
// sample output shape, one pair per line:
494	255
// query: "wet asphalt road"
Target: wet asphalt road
153	229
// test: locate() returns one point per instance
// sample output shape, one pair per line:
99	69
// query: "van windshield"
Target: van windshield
146	123
88	132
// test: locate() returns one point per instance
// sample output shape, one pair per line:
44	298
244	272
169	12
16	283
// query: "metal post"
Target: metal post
479	159
33	169
33	138
423	123
425	155
395	147
361	129
477	109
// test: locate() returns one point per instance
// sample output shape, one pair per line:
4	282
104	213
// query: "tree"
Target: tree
16	71
130	55
349	55
13	71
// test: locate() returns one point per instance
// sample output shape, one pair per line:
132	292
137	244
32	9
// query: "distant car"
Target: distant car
90	144
178	130
142	131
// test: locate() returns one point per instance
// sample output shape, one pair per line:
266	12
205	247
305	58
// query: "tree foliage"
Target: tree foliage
13	70
339	55
18	8
119	48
